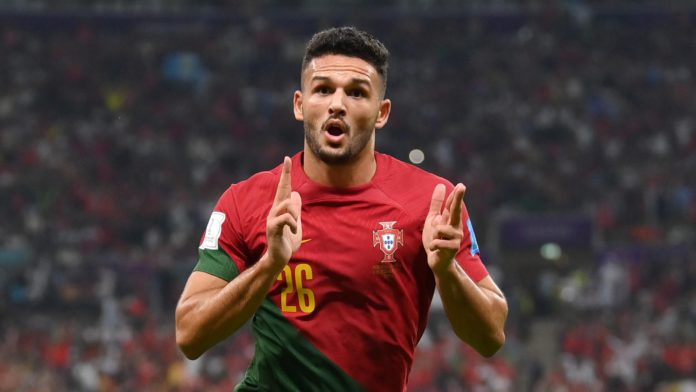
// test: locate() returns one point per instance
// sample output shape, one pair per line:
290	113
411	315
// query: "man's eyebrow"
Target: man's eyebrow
352	80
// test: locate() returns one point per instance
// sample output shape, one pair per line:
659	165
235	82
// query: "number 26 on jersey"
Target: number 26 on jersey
294	284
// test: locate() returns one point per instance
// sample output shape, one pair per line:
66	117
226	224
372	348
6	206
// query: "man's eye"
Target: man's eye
357	93
323	90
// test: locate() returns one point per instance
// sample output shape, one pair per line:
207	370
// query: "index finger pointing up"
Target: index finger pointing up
455	217
284	184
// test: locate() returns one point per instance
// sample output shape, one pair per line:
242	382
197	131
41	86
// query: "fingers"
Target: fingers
455	205
277	224
287	205
448	205
290	206
452	212
444	236
284	184
436	200
447	232
296	202
439	244
296	207
286	213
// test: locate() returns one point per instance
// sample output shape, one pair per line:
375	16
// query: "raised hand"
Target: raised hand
284	221
443	229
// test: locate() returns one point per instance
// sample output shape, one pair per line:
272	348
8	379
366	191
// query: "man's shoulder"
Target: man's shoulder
259	187
399	174
408	185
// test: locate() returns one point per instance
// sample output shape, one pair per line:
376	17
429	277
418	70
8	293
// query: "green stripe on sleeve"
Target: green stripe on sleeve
286	361
216	262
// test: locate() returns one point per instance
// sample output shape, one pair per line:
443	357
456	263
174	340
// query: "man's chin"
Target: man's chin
334	156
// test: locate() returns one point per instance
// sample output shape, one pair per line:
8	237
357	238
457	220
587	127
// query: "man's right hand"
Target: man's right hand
210	308
284	221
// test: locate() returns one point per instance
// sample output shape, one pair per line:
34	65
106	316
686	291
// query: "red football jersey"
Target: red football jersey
356	293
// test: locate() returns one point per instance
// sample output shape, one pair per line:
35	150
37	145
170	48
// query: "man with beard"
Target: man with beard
337	252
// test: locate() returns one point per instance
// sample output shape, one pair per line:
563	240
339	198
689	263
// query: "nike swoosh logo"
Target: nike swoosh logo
305	241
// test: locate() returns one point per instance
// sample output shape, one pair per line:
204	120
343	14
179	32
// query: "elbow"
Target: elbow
492	344
186	337
486	344
190	353
187	346
185	334
494	339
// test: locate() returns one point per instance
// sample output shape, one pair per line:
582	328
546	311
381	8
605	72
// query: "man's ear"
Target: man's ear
297	105
383	116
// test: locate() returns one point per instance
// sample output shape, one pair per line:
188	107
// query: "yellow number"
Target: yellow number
305	296
287	290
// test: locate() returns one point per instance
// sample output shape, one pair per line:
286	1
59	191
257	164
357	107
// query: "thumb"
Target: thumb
437	199
437	220
296	201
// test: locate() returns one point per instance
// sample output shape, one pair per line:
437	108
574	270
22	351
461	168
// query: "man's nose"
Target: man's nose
337	105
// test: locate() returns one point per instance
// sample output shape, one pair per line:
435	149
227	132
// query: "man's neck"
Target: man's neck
358	172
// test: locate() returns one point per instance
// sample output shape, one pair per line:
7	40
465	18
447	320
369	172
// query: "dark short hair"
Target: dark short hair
348	41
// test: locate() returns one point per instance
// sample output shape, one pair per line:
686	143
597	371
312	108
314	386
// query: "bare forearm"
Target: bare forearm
208	317
477	314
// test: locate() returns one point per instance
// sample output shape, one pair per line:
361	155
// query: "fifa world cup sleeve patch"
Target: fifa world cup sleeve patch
474	244
213	231
212	258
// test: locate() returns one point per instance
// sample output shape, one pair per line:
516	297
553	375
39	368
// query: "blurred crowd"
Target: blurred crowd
118	135
314	5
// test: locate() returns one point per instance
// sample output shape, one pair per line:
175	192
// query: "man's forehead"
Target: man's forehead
329	64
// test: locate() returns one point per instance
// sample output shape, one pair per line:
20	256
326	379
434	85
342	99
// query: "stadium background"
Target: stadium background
571	122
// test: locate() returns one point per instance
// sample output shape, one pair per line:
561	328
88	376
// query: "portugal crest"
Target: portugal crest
388	238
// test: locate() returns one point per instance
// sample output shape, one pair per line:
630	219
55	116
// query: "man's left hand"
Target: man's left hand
443	230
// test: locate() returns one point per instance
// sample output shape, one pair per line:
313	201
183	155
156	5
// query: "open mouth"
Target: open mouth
335	129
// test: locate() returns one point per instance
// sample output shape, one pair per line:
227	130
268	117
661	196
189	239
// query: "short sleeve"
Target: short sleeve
222	251
469	257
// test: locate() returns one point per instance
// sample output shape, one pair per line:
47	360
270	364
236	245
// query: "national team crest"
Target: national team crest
388	239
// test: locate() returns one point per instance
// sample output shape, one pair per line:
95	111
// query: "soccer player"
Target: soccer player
336	252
